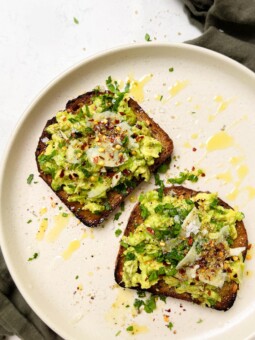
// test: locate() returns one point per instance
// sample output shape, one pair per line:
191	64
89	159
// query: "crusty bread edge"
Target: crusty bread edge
228	291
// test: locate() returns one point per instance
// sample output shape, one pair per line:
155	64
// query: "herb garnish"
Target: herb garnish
75	20
161	185
30	178
149	304
147	37
130	329
191	176
118	232
144	211
33	257
117	216
170	325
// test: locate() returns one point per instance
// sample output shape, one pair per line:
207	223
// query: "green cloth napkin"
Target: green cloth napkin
16	317
228	25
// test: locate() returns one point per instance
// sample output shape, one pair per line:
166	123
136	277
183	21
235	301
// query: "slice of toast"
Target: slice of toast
114	198
227	292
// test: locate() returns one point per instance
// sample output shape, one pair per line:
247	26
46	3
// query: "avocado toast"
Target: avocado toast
97	150
184	244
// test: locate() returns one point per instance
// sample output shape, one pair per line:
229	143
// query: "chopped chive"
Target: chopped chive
130	329
118	232
30	178
33	257
170	325
75	20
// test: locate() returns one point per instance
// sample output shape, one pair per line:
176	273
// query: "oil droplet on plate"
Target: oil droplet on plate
249	273
72	247
225	176
223	104
194	136
235	160
233	194
159	97
43	211
60	222
187	145
251	192
219	141
242	171
42	229
118	312
177	87
137	86
138	329
132	199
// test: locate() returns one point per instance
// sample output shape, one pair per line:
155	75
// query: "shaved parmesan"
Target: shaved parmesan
236	251
191	224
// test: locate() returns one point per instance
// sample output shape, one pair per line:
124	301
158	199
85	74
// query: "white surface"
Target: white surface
48	283
39	40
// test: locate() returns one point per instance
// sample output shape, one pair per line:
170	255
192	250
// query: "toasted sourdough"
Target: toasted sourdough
113	197
229	290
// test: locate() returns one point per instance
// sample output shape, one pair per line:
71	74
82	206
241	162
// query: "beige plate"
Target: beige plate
208	110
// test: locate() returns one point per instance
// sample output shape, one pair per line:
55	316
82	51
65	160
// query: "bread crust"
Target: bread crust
113	197
229	290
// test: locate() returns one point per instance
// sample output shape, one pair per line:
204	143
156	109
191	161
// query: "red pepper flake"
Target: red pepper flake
117	121
190	241
193	168
194	149
84	146
62	173
138	138
122	113
168	310
70	177
126	172
203	174
150	230
95	159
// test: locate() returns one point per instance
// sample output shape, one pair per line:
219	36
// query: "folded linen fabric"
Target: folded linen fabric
229	27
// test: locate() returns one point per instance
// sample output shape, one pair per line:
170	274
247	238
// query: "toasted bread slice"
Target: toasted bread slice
113	198
227	292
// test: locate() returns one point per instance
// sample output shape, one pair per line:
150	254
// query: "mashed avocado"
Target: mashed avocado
100	147
184	242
